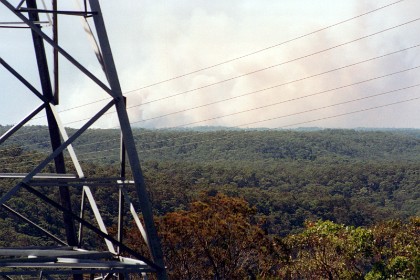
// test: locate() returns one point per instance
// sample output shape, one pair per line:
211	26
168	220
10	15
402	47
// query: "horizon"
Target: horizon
217	128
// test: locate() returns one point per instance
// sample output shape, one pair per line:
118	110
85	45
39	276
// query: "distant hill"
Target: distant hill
209	144
355	177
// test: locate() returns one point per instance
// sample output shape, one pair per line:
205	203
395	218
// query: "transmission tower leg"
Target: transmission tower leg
130	147
52	125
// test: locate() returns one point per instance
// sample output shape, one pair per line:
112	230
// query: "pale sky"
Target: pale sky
153	41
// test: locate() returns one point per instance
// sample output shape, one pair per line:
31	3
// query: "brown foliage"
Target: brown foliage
214	239
217	238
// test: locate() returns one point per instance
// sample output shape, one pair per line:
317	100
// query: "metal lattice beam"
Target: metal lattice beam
72	259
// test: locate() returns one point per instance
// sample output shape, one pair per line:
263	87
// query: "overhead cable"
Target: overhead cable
297	123
293	99
275	86
276	128
276	65
267	48
249	54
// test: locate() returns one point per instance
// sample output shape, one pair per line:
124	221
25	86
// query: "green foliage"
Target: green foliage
329	145
287	194
397	252
351	177
326	250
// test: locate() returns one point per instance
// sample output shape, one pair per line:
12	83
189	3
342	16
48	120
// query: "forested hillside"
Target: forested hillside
355	177
290	179
243	145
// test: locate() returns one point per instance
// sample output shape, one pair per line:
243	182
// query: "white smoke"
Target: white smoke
153	41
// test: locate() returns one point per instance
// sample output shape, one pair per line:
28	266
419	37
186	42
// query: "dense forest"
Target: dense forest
341	198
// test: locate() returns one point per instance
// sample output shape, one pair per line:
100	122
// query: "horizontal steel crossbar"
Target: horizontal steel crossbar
69	13
38	176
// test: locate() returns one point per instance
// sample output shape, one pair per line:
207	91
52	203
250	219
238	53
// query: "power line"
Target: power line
303	112
280	44
275	86
255	108
242	75
246	55
289	100
298	123
297	98
315	75
259	70
333	105
18	163
245	111
247	124
279	64
266	48
280	127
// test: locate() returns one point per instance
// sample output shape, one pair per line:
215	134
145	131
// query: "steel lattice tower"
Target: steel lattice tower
68	257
